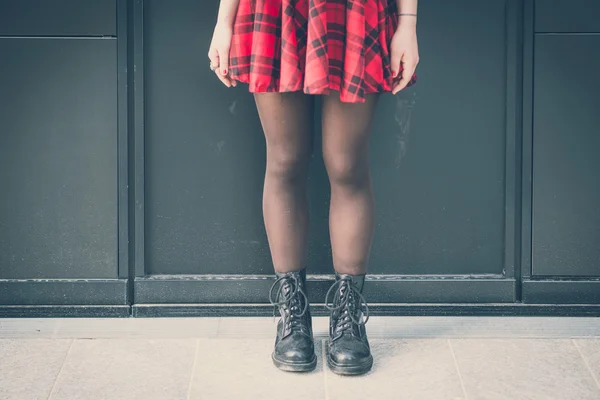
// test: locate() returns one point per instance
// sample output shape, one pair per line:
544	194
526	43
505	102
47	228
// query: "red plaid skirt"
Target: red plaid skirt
314	46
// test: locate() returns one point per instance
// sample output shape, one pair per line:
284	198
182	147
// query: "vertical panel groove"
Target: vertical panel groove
122	151
136	128
527	139
514	97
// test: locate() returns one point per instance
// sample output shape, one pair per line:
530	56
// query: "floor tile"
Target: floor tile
265	327
132	369
27	327
151	328
153	358
403	369
418	327
29	367
590	351
234	369
490	327
87	328
238	327
378	327
175	327
524	369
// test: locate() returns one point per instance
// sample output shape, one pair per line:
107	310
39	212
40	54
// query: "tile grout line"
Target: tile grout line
462	385
62	366
324	364
585	361
193	373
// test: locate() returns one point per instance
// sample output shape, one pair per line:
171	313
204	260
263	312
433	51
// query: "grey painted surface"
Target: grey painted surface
64	292
58	17
379	289
204	153
566	186
438	153
577	291
571	16
440	176
58	163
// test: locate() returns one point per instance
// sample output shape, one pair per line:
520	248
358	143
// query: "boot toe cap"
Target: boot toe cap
299	349
349	353
296	356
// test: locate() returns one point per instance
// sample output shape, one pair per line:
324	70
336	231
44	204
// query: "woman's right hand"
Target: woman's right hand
218	53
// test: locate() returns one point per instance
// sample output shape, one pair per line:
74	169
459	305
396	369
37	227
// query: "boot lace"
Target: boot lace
287	299
348	306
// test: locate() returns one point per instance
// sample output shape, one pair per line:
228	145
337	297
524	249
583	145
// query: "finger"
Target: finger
224	60
400	85
213	56
395	63
407	73
226	77
222	78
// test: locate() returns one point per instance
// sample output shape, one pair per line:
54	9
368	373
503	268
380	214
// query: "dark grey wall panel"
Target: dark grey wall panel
566	166
204	152
58	158
438	150
438	153
569	16
58	17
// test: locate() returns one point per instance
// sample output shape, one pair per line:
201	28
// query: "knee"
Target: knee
285	165
347	172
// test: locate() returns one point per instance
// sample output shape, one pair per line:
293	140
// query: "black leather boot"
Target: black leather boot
348	350
294	345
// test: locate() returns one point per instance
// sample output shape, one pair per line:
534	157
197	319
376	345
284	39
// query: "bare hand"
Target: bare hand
404	55
218	53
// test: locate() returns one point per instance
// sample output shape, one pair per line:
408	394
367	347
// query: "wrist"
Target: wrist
225	19
408	18
407	24
224	24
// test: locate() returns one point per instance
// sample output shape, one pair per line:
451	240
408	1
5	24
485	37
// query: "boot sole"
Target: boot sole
357	369
295	367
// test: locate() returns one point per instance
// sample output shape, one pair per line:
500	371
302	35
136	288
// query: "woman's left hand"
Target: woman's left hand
405	53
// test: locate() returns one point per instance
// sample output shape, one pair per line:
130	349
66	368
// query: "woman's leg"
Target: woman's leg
346	133
287	121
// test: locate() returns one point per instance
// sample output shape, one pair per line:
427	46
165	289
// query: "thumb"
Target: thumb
224	59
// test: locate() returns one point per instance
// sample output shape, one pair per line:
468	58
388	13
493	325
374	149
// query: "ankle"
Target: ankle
289	271
354	269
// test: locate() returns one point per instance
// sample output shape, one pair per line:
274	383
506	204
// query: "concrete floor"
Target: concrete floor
422	358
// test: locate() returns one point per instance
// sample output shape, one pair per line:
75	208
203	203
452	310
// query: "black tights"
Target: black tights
287	120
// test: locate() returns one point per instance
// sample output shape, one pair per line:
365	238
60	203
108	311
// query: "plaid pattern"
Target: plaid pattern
315	46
